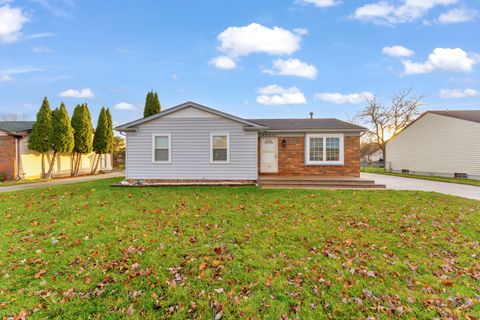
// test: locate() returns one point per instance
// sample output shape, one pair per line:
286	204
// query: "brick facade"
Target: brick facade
291	159
7	157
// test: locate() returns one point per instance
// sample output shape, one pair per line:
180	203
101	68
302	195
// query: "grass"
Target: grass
88	250
414	176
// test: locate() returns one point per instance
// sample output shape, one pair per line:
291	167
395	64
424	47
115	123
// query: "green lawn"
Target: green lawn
432	178
87	250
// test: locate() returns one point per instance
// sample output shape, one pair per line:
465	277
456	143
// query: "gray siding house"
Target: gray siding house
194	144
439	143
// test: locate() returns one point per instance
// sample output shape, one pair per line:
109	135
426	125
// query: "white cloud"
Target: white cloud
125	106
5	74
237	42
385	12
457	15
443	59
4	78
340	98
457	93
320	3
72	93
241	41
292	67
11	23
223	62
41	49
398	51
274	95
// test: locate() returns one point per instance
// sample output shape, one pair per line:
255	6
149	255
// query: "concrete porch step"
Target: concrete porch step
310	181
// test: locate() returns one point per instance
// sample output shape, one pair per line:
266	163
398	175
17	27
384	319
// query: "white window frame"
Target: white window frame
340	161
212	134
169	147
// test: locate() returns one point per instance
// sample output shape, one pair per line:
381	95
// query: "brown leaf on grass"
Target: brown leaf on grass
218	250
40	273
130	310
216	263
192	239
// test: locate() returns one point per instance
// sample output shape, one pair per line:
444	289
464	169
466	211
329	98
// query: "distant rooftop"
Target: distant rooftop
16	126
469	115
306	124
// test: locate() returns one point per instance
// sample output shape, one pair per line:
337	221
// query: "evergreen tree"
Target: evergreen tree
82	124
110	130
152	104
40	137
63	135
101	140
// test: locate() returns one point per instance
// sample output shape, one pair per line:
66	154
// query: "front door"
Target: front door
269	155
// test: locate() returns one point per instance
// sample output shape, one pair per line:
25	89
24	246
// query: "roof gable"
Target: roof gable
131	125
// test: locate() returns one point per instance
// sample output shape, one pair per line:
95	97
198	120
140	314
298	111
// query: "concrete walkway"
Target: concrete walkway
61	181
400	183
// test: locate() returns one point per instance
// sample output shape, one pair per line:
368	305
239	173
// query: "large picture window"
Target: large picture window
219	148
161	148
324	149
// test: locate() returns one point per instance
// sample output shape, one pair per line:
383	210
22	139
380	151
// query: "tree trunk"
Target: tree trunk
52	164
384	154
43	165
72	164
77	164
96	160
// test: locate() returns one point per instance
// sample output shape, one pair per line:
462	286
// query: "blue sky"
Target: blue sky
278	58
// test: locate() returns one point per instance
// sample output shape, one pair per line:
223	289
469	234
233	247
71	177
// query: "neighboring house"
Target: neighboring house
371	154
191	143
442	143
17	161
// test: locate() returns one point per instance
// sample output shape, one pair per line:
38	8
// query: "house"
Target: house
439	143
371	153
194	144
17	161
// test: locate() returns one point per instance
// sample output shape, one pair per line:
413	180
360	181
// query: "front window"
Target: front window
324	149
161	148
219	147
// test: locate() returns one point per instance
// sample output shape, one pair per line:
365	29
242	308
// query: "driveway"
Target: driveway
400	183
61	181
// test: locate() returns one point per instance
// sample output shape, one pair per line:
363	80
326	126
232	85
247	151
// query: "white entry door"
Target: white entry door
269	155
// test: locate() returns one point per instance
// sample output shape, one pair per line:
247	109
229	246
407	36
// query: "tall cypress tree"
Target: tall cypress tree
63	135
152	104
82	124
40	137
110	130
101	142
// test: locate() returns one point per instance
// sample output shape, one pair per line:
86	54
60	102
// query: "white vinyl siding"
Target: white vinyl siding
324	149
437	144
190	149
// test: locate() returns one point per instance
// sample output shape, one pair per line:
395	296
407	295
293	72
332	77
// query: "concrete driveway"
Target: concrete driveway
61	181
400	183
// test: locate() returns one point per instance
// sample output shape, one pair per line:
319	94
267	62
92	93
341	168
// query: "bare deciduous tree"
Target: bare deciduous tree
387	121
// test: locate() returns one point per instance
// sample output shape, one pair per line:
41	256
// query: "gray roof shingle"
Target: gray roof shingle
16	126
469	115
307	124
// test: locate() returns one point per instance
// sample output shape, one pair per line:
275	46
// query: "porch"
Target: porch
316	181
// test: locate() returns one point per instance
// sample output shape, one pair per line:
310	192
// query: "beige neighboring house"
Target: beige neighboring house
17	161
439	143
